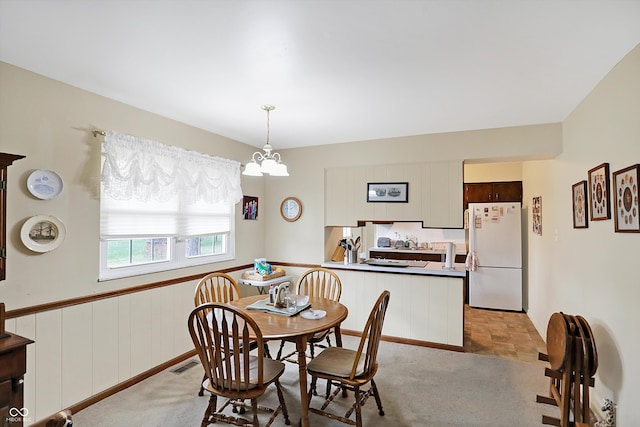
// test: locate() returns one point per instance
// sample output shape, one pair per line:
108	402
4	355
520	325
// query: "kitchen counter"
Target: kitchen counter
427	305
432	268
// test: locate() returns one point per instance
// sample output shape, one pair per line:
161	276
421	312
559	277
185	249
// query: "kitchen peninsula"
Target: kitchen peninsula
426	306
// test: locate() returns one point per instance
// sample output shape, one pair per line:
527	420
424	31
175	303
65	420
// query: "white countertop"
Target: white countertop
431	269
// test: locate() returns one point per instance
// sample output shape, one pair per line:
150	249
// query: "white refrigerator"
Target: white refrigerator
495	235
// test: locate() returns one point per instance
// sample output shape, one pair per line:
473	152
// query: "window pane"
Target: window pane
125	252
205	245
118	253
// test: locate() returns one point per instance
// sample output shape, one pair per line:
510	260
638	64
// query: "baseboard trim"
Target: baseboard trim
409	341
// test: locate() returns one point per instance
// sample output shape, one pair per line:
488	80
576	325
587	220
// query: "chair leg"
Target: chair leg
266	350
280	350
376	394
358	407
312	348
254	408
283	404
209	412
201	392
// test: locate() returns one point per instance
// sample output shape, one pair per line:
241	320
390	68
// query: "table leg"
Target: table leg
301	347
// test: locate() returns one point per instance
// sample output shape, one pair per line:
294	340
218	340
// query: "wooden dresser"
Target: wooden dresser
13	365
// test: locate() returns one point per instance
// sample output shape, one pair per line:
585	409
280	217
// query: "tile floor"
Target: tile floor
501	333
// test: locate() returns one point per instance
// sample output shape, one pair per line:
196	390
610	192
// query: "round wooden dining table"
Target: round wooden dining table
297	329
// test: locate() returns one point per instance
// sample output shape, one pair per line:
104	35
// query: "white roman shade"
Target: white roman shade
151	189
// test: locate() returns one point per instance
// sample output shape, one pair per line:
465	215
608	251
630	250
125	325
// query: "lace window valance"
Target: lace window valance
145	170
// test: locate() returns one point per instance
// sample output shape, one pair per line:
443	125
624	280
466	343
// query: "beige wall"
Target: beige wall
592	272
51	123
489	172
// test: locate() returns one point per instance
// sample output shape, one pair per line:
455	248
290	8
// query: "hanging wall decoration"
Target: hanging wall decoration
600	207
537	215
579	194
250	207
625	185
42	233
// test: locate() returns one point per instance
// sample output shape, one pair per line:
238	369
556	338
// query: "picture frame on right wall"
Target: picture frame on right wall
599	188
625	186
580	206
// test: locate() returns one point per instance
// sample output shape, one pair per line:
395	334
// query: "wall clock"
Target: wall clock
291	209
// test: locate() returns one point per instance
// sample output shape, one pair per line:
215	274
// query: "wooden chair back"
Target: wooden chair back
216	287
219	332
371	339
320	282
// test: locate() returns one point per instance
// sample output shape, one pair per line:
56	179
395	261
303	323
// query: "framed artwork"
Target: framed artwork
388	192
625	186
537	215
249	207
579	195
600	207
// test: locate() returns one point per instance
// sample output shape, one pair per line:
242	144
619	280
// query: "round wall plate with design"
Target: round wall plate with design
44	184
42	233
291	209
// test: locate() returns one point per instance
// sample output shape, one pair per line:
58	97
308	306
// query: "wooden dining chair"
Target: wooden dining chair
220	332
216	287
316	282
350	370
219	287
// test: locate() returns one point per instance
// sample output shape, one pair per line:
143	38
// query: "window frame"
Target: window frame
177	256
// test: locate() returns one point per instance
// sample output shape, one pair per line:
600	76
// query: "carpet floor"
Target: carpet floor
419	387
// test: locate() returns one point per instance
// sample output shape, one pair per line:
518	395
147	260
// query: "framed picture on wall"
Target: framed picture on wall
580	207
249	207
625	185
388	192
537	215
599	205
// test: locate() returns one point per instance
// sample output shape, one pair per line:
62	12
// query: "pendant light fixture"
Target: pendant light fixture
267	162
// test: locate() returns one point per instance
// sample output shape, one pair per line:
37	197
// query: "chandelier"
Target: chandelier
267	162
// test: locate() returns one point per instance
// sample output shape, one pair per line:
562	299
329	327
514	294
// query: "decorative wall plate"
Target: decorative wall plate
42	233
44	184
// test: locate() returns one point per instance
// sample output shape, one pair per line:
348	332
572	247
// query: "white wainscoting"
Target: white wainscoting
423	308
84	349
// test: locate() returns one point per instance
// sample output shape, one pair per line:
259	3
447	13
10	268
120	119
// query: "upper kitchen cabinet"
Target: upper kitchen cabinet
483	192
434	194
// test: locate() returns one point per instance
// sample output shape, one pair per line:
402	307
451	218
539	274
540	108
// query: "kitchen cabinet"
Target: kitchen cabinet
483	192
422	308
434	194
5	161
415	256
13	366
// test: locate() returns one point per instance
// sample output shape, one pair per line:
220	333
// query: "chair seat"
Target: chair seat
337	362
272	369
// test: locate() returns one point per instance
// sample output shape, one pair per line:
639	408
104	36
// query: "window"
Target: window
163	208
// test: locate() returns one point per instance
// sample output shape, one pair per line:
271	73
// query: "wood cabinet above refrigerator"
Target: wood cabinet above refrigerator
486	192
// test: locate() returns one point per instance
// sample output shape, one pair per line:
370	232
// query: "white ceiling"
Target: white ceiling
336	71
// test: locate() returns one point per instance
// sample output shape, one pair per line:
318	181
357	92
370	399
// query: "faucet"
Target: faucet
409	241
